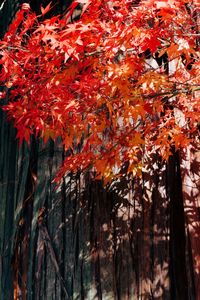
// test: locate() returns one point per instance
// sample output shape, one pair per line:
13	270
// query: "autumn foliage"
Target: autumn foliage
119	81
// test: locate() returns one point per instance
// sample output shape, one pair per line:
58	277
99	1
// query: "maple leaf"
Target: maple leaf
2	95
25	6
23	133
45	10
151	43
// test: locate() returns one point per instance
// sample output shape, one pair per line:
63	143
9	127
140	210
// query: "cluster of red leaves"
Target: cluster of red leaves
90	82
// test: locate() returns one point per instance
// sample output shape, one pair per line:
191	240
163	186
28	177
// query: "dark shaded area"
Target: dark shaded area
177	230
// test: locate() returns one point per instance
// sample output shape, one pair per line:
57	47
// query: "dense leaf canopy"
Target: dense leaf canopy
121	81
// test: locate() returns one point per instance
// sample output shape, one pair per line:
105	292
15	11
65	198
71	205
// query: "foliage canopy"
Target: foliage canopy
120	81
